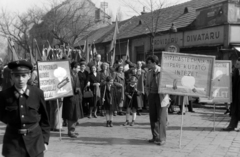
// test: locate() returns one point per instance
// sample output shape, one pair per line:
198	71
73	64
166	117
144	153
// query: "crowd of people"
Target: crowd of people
101	90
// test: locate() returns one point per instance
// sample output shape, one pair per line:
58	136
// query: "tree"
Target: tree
68	21
152	7
17	26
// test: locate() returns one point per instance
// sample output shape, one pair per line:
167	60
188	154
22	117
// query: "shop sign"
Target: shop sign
207	36
160	42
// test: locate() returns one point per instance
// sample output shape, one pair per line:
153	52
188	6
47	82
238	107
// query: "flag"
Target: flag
140	84
33	61
44	55
127	53
38	53
14	56
113	43
49	56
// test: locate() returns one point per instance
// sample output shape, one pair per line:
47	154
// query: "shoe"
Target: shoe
72	135
132	123
90	116
151	140
76	133
110	124
179	112
107	124
57	130
95	116
160	143
192	111
126	123
227	111
138	113
228	129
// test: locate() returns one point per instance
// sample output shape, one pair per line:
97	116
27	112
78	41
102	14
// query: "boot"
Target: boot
110	124
107	125
90	114
132	123
126	123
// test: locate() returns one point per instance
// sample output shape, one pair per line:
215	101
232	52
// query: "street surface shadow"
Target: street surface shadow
188	128
103	124
110	141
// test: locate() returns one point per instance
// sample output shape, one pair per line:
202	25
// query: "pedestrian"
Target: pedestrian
110	100
95	80
235	106
157	109
71	109
119	81
23	109
131	93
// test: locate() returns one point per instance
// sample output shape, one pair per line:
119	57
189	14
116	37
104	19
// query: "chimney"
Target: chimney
143	12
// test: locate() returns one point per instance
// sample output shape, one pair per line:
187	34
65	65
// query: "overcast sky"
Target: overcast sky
113	5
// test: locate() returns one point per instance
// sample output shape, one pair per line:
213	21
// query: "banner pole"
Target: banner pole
180	141
59	118
214	106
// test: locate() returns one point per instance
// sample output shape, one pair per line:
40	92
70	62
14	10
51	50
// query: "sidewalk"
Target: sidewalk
199	139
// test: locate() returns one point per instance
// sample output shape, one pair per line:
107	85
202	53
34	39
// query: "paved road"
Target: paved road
199	139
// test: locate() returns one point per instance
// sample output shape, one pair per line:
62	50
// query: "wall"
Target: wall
141	41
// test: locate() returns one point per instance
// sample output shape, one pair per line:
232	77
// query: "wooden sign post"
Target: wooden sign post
186	75
55	80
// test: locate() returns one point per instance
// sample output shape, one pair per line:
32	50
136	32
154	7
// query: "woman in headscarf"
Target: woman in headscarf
95	80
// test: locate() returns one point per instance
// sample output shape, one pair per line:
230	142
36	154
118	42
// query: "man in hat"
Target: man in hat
23	109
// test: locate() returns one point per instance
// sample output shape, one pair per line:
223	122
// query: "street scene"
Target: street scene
99	78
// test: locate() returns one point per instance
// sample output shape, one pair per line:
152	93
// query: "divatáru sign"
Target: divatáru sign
186	74
207	36
55	79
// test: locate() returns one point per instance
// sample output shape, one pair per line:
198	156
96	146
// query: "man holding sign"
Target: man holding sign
157	102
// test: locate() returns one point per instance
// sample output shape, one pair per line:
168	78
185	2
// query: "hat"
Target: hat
83	62
20	66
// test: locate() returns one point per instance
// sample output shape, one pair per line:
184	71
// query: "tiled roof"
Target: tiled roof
141	25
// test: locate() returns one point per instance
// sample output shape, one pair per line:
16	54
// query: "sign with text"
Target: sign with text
55	79
222	83
207	36
164	40
186	74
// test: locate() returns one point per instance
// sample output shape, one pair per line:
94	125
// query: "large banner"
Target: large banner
55	79
186	74
222	83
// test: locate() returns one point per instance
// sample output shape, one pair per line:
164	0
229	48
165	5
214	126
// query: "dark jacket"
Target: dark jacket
71	104
83	78
95	89
23	113
235	106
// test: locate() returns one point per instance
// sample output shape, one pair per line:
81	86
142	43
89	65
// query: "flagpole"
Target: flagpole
119	44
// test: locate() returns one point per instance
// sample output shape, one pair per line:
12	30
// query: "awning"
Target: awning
237	48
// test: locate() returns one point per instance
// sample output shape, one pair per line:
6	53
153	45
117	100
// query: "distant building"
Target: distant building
206	27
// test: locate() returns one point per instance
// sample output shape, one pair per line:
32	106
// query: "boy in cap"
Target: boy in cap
23	109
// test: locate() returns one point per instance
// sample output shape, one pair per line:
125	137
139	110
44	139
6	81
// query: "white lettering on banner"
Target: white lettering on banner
204	36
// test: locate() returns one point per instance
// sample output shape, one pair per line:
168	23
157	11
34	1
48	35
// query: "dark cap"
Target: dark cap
20	66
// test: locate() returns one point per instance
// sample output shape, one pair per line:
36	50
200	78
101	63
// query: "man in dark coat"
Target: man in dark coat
235	106
23	109
71	109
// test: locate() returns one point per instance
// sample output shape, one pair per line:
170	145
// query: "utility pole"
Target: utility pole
104	5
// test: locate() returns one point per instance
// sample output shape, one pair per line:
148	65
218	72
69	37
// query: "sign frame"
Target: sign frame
208	94
216	100
70	93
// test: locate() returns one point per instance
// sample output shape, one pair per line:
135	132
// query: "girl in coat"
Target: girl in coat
131	100
110	100
95	80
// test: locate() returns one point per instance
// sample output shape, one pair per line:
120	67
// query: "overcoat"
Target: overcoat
23	112
71	104
119	82
96	94
111	98
235	106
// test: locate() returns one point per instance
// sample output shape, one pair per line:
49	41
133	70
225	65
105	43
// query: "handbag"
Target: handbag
87	94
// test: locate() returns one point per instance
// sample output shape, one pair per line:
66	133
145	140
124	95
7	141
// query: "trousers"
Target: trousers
158	117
